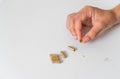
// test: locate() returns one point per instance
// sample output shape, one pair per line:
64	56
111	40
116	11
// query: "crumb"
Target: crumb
81	40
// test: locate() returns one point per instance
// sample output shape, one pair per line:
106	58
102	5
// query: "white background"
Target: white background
32	29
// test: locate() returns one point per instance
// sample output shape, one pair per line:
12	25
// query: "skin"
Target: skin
94	18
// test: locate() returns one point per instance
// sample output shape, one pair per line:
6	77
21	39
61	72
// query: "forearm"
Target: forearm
116	11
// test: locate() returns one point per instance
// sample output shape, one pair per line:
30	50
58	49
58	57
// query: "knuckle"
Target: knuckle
76	18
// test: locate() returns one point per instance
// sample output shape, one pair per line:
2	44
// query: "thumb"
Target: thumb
92	33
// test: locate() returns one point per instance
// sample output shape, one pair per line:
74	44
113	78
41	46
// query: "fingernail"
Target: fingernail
86	39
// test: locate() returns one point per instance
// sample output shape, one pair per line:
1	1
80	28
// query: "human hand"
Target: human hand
91	17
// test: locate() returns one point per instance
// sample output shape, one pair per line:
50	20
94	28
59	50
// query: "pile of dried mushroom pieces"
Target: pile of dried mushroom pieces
55	58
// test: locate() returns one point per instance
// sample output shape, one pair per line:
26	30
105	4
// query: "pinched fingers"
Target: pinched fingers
93	32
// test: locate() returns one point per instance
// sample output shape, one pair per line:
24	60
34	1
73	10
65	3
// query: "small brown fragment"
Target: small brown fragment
81	40
55	58
62	53
71	48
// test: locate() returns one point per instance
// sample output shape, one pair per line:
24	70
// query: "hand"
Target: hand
91	17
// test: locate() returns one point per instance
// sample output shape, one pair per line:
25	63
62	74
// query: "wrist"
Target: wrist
116	11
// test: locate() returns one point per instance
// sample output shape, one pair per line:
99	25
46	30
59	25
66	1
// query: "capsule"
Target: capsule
62	53
71	48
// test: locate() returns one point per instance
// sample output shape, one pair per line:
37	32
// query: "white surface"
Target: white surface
32	29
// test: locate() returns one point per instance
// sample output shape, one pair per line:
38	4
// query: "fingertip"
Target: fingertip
73	32
86	39
79	36
75	37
